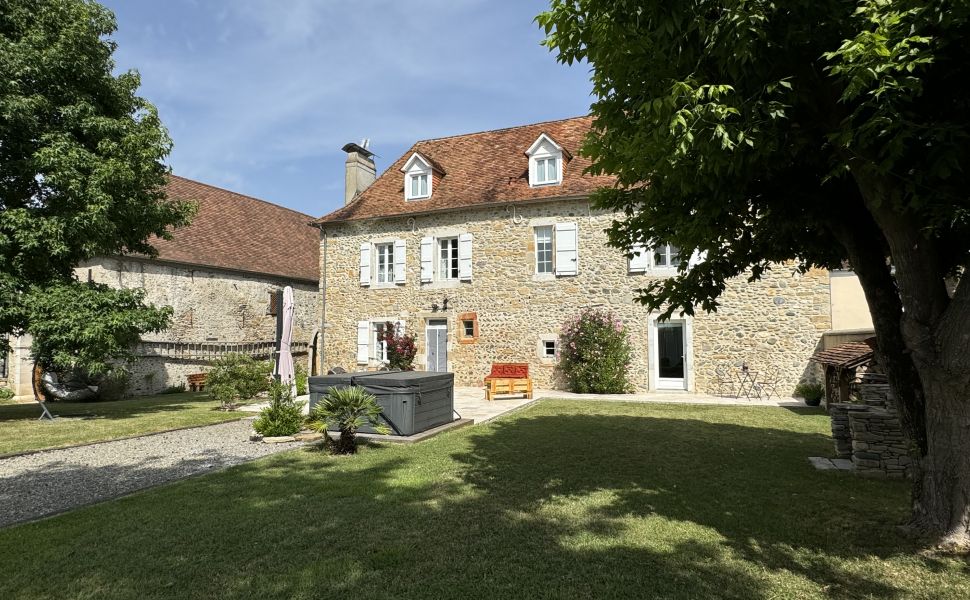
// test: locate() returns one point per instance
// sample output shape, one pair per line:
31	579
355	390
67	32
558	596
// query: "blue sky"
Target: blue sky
259	95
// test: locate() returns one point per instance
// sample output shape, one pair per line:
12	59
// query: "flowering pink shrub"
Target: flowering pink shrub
401	348
594	353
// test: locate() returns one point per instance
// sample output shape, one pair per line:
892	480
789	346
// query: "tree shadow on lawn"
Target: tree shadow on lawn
571	505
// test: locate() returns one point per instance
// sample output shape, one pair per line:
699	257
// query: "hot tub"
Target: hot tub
411	401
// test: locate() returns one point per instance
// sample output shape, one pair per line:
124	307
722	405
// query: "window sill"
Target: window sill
468	340
442	284
543	277
385	286
545	184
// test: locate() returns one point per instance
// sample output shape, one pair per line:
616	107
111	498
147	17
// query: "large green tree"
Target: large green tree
81	175
818	131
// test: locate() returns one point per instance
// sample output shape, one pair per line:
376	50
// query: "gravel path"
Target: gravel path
53	481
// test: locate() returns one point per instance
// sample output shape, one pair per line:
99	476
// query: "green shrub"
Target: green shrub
347	409
6	393
302	380
401	348
812	393
174	389
237	378
115	385
283	416
594	353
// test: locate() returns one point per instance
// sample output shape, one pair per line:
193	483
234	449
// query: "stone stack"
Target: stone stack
878	445
841	432
874	394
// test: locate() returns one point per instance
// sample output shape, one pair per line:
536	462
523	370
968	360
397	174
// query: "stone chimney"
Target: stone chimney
361	171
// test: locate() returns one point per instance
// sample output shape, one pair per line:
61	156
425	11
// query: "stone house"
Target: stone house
484	244
218	275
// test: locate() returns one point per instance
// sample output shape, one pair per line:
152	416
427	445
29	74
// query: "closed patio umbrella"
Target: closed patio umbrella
284	364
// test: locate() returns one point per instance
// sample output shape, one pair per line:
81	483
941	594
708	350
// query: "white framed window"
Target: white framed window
448	259
666	256
385	262
419	185
544	249
378	346
547	170
545	162
549	348
417	178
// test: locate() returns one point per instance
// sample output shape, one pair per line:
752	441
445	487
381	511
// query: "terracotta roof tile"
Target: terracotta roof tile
233	231
845	356
489	167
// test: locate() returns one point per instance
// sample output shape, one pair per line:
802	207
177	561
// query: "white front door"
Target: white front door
436	340
669	349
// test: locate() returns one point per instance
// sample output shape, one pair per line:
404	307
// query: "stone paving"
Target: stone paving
829	464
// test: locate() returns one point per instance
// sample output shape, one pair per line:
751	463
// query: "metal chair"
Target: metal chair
723	377
768	384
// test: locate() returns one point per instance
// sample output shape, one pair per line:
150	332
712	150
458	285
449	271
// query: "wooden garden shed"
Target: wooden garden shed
840	365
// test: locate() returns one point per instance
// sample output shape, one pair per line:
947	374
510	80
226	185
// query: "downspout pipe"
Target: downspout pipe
322	352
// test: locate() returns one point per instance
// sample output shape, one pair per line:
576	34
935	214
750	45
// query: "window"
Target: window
378	345
467	328
385	263
544	251
417	177
3	359
545	162
546	170
549	348
448	258
419	185
665	256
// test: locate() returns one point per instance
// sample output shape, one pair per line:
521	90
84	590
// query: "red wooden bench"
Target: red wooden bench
508	378
196	382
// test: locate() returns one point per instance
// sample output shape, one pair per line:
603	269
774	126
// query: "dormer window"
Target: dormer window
545	162
418	178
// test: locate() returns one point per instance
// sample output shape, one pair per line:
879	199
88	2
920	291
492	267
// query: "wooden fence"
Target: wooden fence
213	350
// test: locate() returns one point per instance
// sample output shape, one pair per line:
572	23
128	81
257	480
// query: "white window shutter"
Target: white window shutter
465	257
365	264
567	249
641	259
427	259
363	342
400	262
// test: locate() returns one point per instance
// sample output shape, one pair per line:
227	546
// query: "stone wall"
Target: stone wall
209	305
871	434
773	325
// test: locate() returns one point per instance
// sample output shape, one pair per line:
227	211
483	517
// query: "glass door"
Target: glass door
436	338
671	355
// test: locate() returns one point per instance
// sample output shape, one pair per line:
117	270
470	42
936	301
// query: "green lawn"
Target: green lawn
562	500
82	422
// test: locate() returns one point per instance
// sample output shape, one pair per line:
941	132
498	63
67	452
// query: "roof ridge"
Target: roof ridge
500	129
234	193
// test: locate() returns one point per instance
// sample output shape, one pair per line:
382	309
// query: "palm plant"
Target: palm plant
347	409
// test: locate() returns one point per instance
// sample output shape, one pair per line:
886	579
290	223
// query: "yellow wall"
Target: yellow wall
849	307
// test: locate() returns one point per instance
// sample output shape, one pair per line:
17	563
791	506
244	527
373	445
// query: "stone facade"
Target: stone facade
871	434
773	325
210	305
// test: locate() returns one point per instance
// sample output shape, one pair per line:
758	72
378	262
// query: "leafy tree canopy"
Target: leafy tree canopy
80	165
811	131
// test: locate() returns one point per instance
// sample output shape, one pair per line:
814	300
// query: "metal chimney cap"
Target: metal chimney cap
353	147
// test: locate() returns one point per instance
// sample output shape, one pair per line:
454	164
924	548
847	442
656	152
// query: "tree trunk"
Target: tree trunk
942	510
935	330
